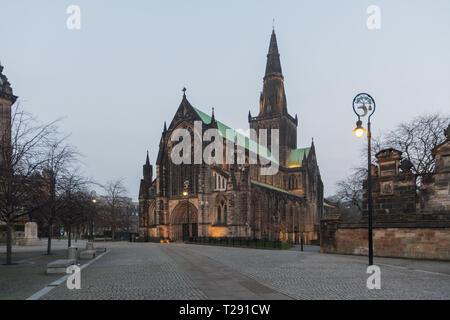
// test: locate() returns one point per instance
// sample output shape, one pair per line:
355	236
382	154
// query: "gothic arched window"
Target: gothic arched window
225	214
219	214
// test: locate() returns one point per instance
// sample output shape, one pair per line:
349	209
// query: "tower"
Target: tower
147	171
273	113
7	99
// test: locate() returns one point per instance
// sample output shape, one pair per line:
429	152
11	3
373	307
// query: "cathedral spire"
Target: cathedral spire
147	160
273	65
273	98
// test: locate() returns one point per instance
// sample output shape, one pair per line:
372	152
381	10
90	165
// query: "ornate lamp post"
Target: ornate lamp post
364	105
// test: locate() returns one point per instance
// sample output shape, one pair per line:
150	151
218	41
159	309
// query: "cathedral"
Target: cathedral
235	200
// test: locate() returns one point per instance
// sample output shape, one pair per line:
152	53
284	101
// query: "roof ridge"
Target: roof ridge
262	184
261	150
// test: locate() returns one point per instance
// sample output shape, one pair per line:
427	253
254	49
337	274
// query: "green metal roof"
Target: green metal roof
328	205
242	141
296	156
270	187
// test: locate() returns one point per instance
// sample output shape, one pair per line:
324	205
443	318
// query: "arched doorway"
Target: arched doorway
184	225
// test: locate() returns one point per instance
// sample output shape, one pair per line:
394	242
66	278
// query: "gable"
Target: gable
296	157
242	141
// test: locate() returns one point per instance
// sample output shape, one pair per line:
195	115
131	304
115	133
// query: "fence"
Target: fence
228	241
242	242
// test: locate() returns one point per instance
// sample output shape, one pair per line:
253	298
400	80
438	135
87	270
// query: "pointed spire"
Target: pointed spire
249	116
165	126
296	120
273	57
184	92
213	119
273	98
147	169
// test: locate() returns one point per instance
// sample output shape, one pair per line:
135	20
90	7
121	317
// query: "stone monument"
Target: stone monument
31	235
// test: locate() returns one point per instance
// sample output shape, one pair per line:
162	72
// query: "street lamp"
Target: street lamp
362	107
359	131
186	194
94	201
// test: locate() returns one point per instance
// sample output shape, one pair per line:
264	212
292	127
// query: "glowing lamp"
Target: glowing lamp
359	131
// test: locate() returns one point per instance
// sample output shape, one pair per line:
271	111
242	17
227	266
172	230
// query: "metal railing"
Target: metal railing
239	242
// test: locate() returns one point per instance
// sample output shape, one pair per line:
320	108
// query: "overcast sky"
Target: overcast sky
120	76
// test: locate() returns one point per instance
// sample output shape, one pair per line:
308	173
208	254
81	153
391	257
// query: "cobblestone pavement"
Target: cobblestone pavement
181	271
311	275
131	271
27	274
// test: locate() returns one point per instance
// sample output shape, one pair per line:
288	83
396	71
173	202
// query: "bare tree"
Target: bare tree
114	205
58	179
415	139
76	210
349	190
21	156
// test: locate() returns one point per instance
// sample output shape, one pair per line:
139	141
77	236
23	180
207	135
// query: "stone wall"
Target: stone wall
406	223
423	239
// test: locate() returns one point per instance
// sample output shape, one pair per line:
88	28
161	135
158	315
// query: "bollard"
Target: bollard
73	253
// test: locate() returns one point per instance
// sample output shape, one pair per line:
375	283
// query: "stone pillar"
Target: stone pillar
73	253
328	227
31	232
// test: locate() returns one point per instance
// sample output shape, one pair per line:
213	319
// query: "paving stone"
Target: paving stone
168	271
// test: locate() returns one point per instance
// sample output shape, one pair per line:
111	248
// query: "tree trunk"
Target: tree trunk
9	233
113	231
49	239
69	242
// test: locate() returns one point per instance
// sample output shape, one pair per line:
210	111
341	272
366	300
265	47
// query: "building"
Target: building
7	99
409	221
122	218
231	200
